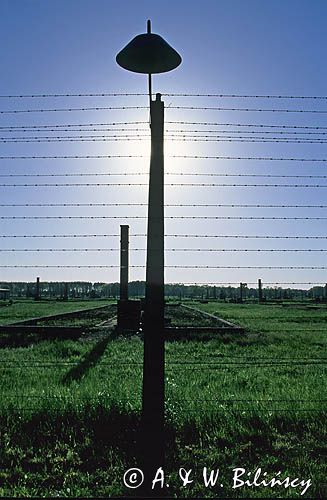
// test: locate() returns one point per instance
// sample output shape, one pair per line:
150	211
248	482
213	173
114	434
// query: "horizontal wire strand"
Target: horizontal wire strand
108	139
86	398
260	110
80	133
69	125
170	132
59	110
179	184
173	138
261	362
204	217
251	125
139	122
249	283
167	266
242	131
70	157
203	411
196	157
169	94
84	136
193	108
167	235
167	205
166	250
185	174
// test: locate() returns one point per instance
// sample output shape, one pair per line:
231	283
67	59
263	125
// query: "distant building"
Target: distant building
4	293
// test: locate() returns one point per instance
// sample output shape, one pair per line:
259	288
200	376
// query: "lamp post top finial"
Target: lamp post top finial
148	53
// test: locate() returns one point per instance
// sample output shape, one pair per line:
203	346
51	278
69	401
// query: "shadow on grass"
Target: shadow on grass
94	446
90	360
95	432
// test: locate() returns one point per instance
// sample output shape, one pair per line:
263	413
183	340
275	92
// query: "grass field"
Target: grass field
70	410
27	309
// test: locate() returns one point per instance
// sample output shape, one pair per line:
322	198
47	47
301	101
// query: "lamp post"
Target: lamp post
149	53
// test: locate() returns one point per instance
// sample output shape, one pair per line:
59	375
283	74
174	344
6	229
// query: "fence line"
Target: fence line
170	94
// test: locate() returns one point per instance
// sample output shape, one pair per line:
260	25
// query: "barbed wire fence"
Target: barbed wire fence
211	132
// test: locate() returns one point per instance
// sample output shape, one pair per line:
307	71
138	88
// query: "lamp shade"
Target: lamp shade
148	53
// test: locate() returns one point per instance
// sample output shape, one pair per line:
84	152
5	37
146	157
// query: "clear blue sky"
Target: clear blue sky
228	47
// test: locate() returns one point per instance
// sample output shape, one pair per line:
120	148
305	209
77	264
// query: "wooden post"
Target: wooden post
37	289
153	367
260	290
124	233
66	291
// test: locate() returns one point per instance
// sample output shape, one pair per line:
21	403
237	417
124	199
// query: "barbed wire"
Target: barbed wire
215	131
131	139
193	108
185	174
167	235
249	283
101	397
69	125
259	362
93	266
70	157
179	184
245	236
96	94
199	157
107	139
170	132
256	365
247	140
169	94
215	134
306	127
166	250
63	235
143	217
204	411
258	158
260	110
176	360
60	128
174	138
175	122
167	205
59	110
177	364
66	137
197	410
238	96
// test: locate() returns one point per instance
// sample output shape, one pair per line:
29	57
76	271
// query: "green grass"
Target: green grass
70	411
28	308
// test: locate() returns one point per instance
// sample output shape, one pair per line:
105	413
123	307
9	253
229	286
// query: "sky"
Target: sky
250	48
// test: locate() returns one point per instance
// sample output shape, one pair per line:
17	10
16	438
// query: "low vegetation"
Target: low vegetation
70	410
24	309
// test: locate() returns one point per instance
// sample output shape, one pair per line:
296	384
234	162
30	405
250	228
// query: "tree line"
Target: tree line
98	290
